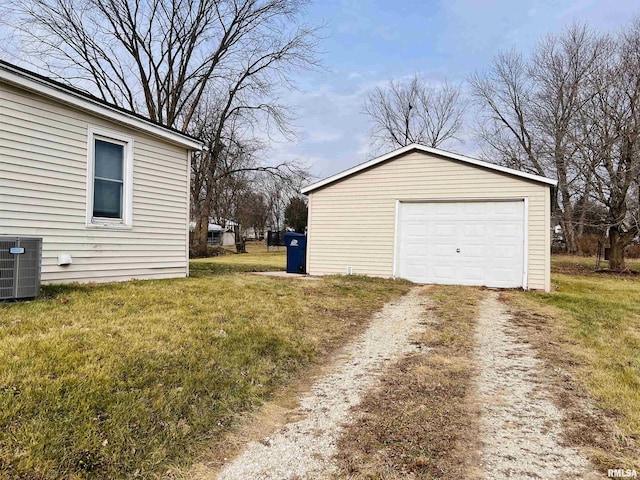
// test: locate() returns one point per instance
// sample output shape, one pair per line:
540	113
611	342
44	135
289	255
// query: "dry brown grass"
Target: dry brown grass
253	426
126	380
579	265
419	422
598	408
283	402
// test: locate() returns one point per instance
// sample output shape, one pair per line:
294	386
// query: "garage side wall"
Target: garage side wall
352	221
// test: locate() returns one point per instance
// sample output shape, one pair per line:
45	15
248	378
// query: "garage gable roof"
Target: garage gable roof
430	150
82	100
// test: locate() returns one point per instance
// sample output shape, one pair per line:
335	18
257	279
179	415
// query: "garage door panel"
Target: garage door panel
466	243
471	208
445	250
508	230
473	274
504	277
419	250
416	230
474	231
509	252
442	209
474	251
444	273
444	230
508	209
417	271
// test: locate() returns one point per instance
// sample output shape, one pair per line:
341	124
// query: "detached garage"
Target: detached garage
432	216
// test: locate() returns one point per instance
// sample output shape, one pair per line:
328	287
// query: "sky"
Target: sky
367	43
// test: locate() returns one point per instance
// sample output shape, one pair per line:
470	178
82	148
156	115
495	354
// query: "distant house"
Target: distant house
557	236
228	238
251	233
216	235
106	189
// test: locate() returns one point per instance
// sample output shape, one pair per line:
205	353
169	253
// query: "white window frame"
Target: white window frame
126	222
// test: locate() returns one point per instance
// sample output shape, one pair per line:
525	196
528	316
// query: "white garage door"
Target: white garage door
462	243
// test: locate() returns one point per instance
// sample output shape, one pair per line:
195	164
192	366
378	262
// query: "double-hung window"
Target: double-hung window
109	180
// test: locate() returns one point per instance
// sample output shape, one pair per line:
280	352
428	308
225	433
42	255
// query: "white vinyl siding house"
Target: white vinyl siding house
432	217
106	187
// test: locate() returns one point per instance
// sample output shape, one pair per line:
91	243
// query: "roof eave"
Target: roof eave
434	151
35	84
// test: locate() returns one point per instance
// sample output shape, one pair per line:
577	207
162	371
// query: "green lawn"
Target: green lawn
578	264
596	318
125	380
259	259
603	315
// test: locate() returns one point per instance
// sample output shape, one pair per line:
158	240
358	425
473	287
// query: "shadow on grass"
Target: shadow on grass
197	269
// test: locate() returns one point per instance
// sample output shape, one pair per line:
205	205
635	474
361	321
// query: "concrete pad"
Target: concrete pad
283	274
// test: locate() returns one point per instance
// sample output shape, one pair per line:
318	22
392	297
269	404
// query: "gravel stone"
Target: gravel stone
520	426
304	449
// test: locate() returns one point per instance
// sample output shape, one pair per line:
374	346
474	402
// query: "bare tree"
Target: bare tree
414	111
276	201
230	161
530	111
611	140
212	68
160	57
563	68
278	192
254	212
505	124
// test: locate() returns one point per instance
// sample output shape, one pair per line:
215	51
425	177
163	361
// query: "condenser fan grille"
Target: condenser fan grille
20	264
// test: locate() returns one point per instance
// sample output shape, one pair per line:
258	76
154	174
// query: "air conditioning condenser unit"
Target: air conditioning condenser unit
20	264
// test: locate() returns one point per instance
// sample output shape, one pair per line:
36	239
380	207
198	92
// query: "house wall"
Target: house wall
352	221
43	171
228	239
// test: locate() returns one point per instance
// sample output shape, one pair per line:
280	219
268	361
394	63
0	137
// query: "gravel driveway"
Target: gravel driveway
303	449
520	425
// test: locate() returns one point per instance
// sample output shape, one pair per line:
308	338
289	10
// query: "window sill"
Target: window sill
109	226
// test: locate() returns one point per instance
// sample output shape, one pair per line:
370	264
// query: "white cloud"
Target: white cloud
320	136
453	38
333	129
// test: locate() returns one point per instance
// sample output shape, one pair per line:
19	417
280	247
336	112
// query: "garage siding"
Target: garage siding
44	192
352	221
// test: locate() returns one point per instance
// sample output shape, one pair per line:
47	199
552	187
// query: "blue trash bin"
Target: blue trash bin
296	244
